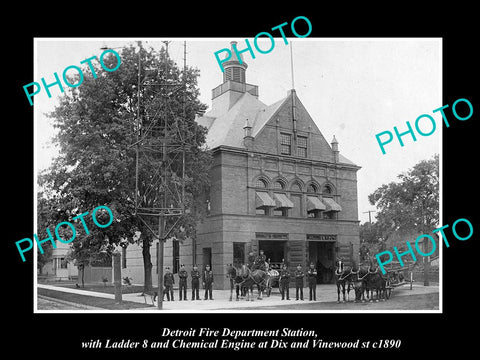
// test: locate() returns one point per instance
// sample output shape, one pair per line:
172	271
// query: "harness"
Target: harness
249	276
345	276
361	278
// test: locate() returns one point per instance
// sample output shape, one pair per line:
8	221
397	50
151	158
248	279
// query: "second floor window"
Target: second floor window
278	185
311	188
286	144
261	184
302	146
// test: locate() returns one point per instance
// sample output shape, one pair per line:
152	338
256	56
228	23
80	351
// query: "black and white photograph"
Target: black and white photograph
261	175
231	182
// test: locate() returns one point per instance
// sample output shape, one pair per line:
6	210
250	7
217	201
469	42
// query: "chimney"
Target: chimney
336	153
247	135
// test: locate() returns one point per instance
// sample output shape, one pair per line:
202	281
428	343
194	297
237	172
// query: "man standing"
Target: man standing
168	282
312	282
182	282
284	282
299	275
195	275
207	280
231	274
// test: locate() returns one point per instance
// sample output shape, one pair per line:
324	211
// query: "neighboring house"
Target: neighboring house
58	268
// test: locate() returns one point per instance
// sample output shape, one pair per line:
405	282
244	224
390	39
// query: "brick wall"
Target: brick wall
267	139
234	172
232	195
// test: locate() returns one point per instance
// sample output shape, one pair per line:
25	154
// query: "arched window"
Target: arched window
311	188
261	183
296	187
327	189
278	185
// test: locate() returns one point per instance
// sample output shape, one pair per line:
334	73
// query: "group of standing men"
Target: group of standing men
207	281
299	276
254	262
259	262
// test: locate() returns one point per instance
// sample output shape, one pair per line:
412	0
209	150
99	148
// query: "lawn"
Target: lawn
92	300
108	289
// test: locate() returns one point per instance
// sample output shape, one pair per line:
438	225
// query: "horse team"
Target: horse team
243	279
365	279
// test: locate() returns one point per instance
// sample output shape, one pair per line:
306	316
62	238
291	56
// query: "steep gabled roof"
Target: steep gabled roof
227	129
206	121
265	115
342	159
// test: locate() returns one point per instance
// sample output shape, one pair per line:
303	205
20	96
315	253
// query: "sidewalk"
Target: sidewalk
325	293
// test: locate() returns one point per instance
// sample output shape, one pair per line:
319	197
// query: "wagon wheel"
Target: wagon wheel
266	287
276	283
388	289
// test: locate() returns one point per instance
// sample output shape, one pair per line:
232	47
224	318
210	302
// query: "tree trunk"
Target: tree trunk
147	266
83	273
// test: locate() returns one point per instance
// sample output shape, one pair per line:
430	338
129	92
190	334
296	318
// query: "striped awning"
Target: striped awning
262	199
282	201
331	204
314	203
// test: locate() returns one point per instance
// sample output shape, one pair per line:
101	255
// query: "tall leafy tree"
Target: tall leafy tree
370	232
97	126
411	203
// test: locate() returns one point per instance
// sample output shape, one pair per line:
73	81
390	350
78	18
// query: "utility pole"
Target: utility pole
369	215
426	264
161	217
161	244
152	200
117	276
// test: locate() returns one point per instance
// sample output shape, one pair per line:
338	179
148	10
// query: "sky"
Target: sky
352	88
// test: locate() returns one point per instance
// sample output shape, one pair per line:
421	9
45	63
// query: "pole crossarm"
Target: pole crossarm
161	134
165	212
169	231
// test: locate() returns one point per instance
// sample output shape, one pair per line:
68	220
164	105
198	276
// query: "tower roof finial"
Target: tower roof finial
236	60
234	68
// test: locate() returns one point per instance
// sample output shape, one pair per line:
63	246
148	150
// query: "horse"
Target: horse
232	275
360	283
253	277
376	281
343	277
260	278
325	273
241	287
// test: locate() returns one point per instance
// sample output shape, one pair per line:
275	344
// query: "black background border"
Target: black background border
420	333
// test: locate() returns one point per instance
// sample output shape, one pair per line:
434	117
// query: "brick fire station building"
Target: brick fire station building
276	184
